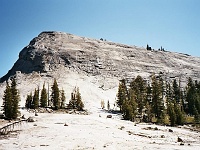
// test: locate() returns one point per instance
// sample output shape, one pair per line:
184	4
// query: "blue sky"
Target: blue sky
172	24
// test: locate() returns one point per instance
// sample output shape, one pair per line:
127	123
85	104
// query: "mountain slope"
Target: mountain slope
50	50
94	65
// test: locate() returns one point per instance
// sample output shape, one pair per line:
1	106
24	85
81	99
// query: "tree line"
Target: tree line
159	101
35	100
57	101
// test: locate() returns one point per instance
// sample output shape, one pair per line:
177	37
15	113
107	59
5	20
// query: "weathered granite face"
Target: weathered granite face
51	50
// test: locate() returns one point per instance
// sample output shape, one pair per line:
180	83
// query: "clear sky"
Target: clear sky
172	24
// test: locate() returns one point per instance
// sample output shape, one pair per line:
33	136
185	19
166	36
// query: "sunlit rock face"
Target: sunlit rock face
52	50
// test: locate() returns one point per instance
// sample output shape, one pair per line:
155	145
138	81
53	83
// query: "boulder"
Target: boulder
170	130
31	119
179	139
109	116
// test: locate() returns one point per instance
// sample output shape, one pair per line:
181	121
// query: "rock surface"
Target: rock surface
51	50
95	66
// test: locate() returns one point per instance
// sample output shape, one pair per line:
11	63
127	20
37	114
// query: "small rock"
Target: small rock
179	139
36	114
170	130
30	119
149	128
109	116
156	128
162	136
129	132
65	124
181	143
122	127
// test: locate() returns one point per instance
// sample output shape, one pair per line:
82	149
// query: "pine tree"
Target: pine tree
197	102
11	100
63	98
148	47
76	101
55	96
148	112
35	104
129	107
79	103
180	119
72	101
172	114
176	92
29	101
196	116
133	104
7	102
122	94
157	101
191	96
139	87
15	99
43	98
127	110
149	95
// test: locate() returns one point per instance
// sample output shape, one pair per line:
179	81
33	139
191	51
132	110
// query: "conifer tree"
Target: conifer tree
127	110
35	104
43	98
180	119
122	94
72	101
63	98
139	87
148	112
29	101
133	104
196	116
79	103
197	102
149	95
11	100
129	107
15	99
157	101
176	92
7	102
55	96
191	96
76	100
172	114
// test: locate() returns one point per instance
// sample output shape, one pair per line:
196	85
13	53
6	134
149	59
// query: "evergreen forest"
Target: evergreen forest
159	101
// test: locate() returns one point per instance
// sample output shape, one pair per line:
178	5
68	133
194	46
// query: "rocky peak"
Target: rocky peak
51	50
